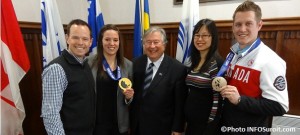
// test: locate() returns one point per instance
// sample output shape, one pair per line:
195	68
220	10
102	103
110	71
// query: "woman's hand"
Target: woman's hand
128	93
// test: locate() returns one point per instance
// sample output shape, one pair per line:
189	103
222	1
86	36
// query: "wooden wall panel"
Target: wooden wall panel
290	53
128	45
225	41
31	84
281	34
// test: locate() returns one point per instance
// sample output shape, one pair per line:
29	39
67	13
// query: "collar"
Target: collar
156	63
241	52
77	59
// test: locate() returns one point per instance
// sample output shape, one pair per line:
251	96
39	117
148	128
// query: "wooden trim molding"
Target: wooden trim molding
290	23
30	25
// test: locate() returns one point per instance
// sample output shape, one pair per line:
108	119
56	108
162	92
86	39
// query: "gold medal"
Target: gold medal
218	83
125	83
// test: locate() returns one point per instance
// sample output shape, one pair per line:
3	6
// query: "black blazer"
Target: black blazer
161	110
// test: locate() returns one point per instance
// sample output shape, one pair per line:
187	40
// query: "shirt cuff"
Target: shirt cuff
127	102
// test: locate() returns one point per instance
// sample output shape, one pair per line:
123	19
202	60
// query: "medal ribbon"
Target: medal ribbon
231	55
112	76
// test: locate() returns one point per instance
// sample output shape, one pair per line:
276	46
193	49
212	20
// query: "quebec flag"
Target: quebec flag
190	17
96	22
53	36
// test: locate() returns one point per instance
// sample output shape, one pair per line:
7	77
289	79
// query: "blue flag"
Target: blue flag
53	36
141	24
137	45
96	22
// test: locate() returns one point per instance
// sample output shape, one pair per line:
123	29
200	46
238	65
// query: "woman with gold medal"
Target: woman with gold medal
112	73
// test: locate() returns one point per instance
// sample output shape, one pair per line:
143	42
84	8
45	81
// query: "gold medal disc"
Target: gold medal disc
125	83
218	83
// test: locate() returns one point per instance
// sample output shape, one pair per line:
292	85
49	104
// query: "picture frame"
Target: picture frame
178	2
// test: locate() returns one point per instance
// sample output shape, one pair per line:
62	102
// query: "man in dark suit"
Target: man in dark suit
158	104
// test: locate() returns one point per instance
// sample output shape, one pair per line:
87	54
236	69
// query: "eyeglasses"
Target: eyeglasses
155	42
204	37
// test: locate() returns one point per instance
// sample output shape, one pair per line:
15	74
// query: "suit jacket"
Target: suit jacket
122	107
161	110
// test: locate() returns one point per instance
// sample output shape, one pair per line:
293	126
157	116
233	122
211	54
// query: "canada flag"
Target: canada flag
14	65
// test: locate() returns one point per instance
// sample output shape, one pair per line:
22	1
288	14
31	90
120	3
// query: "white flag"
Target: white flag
52	31
190	17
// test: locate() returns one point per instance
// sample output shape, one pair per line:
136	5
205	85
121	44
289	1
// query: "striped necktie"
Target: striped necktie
148	77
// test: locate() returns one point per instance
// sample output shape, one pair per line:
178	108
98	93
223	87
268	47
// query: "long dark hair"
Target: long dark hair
100	55
213	50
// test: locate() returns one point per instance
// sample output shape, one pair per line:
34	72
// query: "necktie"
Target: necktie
148	77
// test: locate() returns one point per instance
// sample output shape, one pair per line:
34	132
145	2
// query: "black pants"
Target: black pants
108	131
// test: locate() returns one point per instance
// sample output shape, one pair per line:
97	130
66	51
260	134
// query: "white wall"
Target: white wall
122	11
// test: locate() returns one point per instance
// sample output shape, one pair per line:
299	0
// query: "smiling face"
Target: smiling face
246	27
79	40
202	39
154	46
110	42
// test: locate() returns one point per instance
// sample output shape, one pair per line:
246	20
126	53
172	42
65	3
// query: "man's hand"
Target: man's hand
231	93
175	133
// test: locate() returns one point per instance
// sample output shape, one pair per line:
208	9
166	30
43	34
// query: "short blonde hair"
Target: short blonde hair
249	6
